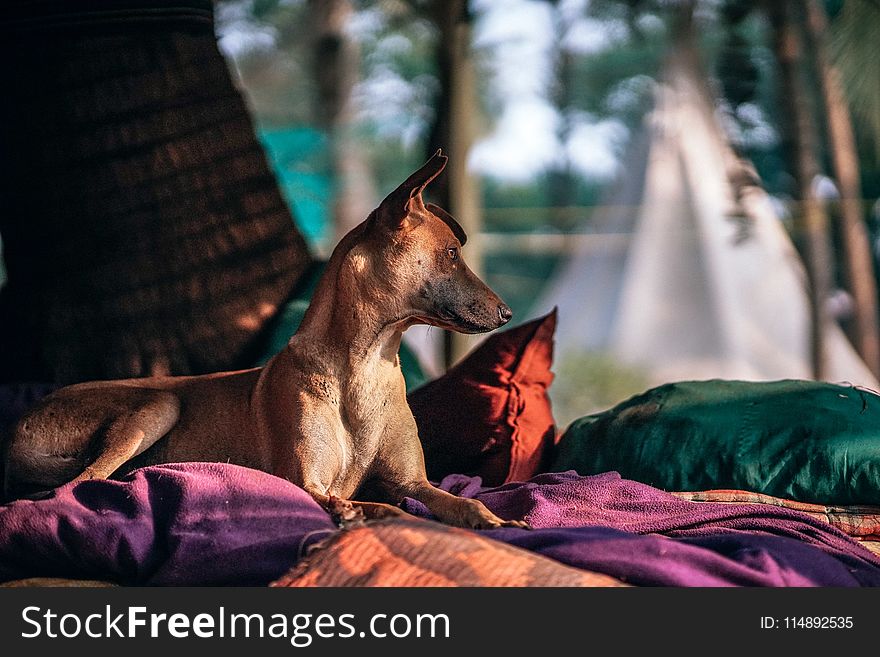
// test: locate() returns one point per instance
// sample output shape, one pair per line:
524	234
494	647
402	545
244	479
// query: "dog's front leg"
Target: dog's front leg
458	511
400	472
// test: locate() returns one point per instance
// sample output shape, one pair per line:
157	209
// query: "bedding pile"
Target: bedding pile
642	535
220	524
775	485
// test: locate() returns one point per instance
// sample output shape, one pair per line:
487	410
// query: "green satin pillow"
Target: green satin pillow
802	440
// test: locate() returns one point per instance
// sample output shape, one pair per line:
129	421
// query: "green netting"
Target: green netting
298	156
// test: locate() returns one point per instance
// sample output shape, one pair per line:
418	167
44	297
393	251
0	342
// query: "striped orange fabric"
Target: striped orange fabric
424	553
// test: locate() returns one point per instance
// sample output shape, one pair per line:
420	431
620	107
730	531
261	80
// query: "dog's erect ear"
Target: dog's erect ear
416	183
397	204
450	221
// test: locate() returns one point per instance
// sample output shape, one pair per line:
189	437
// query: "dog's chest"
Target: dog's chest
355	454
365	422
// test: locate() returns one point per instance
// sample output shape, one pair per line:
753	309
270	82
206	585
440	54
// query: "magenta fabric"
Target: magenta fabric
220	524
183	524
645	536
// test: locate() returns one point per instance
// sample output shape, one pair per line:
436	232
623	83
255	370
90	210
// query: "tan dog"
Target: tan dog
328	413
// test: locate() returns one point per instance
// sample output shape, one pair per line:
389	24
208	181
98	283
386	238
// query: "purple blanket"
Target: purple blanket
181	524
645	536
214	524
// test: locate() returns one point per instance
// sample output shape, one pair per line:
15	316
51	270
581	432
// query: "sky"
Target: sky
517	37
521	35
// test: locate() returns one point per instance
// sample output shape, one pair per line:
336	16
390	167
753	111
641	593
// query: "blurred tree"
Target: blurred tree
856	258
854	28
401	96
854	53
737	70
454	132
561	179
617	80
787	17
360	72
800	123
335	65
271	54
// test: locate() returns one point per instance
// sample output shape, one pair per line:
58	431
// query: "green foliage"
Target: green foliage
737	70
854	49
590	382
612	83
523	208
274	70
746	71
519	278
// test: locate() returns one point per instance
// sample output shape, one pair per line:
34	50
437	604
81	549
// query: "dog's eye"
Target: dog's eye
452	252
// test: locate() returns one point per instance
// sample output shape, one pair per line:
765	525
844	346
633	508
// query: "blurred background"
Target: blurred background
692	183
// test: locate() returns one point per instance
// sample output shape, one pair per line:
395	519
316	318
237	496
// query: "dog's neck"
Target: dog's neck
348	316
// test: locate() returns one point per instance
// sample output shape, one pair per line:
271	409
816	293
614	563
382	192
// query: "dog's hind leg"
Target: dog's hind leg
132	433
107	429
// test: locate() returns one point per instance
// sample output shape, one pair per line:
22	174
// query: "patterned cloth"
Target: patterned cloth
861	522
417	553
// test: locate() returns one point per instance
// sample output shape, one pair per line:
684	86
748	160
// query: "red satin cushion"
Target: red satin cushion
490	415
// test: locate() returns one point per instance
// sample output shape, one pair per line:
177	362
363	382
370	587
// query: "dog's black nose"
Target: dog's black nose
504	312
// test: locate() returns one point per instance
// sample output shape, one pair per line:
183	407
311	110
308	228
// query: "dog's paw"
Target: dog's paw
519	524
475	515
344	513
498	523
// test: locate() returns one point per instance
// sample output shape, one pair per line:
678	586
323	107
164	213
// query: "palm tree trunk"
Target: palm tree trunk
857	263
803	142
143	231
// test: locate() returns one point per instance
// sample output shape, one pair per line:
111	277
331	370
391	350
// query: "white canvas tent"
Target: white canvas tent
690	274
